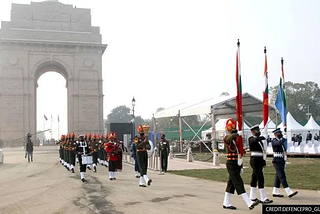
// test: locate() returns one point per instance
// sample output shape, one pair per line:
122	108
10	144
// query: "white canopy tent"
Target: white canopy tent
215	108
312	125
293	127
271	127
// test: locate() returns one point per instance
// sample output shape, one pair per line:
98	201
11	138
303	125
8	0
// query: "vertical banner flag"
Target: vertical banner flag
58	118
239	90
45	117
265	105
281	103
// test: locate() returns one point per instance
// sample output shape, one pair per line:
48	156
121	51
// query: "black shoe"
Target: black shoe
255	199
229	207
83	180
254	204
267	201
277	195
95	169
137	176
72	170
149	182
142	185
88	168
293	194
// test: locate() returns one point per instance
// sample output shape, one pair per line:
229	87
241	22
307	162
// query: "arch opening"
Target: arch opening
51	104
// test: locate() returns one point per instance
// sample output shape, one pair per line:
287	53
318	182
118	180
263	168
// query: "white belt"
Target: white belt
256	154
278	155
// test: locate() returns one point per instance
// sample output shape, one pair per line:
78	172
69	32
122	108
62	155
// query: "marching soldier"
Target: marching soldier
60	143
257	162
67	151
142	145
112	150
120	152
234	147
279	162
164	150
94	150
72	152
134	156
88	141
82	149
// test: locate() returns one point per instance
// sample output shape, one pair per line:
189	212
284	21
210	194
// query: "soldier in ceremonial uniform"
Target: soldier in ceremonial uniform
88	141
164	150
257	162
120	152
142	145
65	151
234	147
82	149
279	162
112	150
60	143
94	146
72	152
134	156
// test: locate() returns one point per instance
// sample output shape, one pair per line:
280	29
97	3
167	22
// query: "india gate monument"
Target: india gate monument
50	36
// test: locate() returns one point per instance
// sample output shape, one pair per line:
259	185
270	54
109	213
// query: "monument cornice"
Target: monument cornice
52	43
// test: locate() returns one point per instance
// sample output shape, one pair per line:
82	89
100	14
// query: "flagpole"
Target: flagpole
239	90
51	126
283	88
58	127
265	107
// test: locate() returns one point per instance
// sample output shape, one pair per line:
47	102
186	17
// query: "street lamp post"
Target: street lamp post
133	102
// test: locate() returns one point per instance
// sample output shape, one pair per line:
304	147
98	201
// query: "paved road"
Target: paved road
44	186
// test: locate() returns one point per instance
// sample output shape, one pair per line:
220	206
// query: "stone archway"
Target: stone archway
50	36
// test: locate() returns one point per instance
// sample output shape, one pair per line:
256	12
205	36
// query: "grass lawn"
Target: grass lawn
302	173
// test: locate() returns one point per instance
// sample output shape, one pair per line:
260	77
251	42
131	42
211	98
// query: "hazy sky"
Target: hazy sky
169	51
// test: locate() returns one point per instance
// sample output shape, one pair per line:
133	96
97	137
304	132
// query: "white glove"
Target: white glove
285	136
241	171
240	133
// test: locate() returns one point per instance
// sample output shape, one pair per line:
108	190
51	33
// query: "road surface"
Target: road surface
45	187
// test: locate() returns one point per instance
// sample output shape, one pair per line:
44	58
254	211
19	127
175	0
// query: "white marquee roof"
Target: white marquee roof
223	107
312	124
292	124
271	124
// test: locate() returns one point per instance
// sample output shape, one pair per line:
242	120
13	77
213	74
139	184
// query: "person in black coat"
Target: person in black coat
29	148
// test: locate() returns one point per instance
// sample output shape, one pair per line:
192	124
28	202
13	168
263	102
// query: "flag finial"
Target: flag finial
238	43
265	49
281	60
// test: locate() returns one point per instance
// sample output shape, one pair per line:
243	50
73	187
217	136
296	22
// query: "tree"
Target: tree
300	97
121	114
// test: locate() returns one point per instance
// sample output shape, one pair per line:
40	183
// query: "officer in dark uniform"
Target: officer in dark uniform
234	148
81	149
134	156
94	149
257	162
164	150
72	152
279	162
